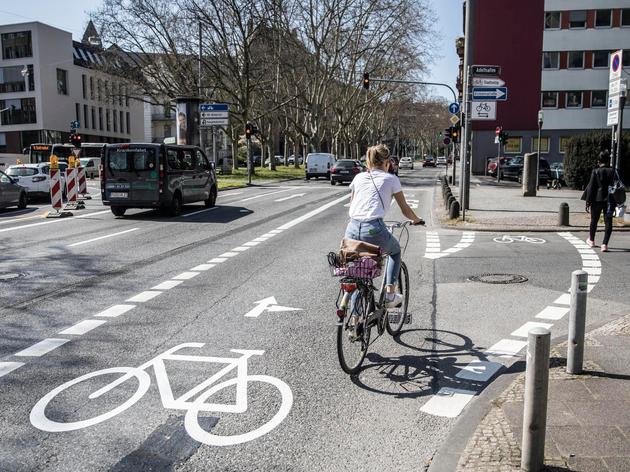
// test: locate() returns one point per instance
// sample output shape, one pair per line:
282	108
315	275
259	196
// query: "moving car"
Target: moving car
406	163
138	175
441	161
318	164
428	162
514	170
91	165
35	178
11	194
344	170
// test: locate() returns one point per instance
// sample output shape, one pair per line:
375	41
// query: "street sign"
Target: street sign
454	119
214	114
75	124
486	70
483	111
224	107
616	65
614	88
447	141
214	121
454	108
490	93
487	82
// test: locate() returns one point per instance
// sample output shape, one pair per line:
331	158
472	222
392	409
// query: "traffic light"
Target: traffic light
448	133
75	140
366	80
503	137
250	130
455	130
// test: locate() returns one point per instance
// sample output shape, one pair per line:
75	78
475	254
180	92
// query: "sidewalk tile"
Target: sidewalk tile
601	388
598	413
594	441
587	464
618	464
569	390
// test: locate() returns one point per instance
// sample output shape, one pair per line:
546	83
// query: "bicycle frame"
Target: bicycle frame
183	402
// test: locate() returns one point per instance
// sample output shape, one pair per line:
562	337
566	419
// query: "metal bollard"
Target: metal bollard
535	410
577	321
563	214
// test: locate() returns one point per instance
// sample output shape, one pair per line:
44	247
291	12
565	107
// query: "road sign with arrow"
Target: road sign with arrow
490	93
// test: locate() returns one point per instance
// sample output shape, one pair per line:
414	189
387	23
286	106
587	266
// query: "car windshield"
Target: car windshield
21	171
131	159
346	164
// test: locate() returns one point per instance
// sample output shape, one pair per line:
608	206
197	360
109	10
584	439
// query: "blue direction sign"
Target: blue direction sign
214	107
490	93
454	108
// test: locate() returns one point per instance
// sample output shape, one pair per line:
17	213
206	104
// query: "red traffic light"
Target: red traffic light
497	131
366	81
75	140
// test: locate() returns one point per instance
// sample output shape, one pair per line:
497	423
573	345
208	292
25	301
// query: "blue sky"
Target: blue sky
56	13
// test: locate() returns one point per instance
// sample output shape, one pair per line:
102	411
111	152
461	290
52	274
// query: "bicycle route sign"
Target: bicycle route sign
214	114
483	111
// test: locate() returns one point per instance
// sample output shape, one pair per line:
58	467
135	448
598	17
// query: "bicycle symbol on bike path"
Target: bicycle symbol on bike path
507	239
185	402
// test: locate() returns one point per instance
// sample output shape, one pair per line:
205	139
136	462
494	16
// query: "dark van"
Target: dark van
156	176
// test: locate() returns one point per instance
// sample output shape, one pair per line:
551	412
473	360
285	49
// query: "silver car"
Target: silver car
11	194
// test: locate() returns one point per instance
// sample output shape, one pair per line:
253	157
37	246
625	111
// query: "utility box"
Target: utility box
530	169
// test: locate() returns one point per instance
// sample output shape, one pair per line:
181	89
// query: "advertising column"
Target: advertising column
187	120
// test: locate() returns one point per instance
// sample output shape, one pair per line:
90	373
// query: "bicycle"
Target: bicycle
358	307
192	407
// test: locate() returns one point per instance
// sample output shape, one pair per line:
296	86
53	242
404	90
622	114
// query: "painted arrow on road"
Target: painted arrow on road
290	197
268	304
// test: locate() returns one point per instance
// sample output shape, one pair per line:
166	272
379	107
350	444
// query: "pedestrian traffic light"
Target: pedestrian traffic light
75	140
366	80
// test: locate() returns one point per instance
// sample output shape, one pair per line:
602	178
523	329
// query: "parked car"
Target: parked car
428	161
91	165
291	160
12	194
441	161
35	178
138	175
492	165
278	160
406	163
344	170
256	160
318	164
514	170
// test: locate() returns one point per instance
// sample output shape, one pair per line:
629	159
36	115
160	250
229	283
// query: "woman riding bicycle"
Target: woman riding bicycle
372	193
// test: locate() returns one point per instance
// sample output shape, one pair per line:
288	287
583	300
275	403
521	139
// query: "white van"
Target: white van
318	164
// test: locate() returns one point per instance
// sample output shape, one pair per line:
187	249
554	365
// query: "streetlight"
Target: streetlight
623	95
540	123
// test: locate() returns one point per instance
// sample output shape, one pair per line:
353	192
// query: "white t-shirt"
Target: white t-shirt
366	205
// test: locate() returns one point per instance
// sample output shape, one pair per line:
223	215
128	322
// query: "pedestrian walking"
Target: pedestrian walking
598	199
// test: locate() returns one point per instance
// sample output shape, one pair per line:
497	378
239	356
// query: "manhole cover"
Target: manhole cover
11	276
498	278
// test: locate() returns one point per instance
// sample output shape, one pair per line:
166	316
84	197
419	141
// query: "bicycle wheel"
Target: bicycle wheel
38	413
396	317
353	334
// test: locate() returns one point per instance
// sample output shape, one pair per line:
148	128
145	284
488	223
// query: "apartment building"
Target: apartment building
47	80
554	56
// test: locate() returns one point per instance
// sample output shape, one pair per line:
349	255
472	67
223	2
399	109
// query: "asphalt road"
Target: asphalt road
95	292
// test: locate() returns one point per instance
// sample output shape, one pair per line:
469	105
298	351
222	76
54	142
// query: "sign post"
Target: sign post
212	115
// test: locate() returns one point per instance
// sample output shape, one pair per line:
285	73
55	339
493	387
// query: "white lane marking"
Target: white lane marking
83	327
275	231
231	194
590	257
260	239
42	347
144	296
448	402
553	313
31	225
245	211
186	275
203	267
591	263
116	310
433	245
15	220
167	285
290	197
592	270
311	214
241	248
252	243
564	299
217	260
506	348
268	304
479	371
6	367
229	254
263	195
523	331
197	212
103	237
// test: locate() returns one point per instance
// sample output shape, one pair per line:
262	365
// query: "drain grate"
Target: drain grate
11	276
498	278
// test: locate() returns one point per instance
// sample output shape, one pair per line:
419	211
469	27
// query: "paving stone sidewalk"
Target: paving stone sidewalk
588	415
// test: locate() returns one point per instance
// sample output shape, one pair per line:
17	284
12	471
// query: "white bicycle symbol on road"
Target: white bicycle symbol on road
506	239
192	407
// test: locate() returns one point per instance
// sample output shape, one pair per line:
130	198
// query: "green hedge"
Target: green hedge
581	157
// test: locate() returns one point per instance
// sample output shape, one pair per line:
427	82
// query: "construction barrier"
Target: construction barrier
56	192
83	193
72	186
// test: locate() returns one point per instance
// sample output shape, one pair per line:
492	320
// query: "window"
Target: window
576	60
551	60
77	112
121	121
31	77
62	82
577	19
574	99
108	120
100	118
18	111
86	125
84	86
99	90
16	45
625	60
12	79
128	124
120	94
3	142
167	111
603	18
93	118
115	121
600	59
598	98
167	131
550	99
564	140
513	145
91	88
544	144
552	20
625	17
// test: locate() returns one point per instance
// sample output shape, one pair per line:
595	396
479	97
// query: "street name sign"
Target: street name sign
205	107
483	111
487	82
490	93
486	70
214	114
614	88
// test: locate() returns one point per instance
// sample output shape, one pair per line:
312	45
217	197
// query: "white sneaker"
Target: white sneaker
393	300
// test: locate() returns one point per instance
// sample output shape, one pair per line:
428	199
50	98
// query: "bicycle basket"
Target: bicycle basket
363	267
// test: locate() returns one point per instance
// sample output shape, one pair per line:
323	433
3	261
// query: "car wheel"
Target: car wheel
308	177
332	182
118	211
23	201
175	208
212	198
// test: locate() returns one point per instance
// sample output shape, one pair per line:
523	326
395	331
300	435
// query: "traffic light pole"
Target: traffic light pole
469	58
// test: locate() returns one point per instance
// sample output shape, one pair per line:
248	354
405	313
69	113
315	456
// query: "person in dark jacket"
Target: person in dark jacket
597	199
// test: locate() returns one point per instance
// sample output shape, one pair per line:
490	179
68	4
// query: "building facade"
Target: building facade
47	80
555	57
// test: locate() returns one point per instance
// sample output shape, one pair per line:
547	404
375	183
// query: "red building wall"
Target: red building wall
510	34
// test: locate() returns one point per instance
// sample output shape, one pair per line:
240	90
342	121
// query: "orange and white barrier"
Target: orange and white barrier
71	185
83	193
55	189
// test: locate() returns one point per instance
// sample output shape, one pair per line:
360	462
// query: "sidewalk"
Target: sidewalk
588	415
502	207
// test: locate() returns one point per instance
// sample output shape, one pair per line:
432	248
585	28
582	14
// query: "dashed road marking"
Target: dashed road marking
115	311
448	402
186	275
506	348
203	267
167	285
479	371
433	244
523	331
42	347
553	313
7	367
217	260
144	296
83	327
229	254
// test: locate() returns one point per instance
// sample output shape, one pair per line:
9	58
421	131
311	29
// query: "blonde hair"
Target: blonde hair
377	155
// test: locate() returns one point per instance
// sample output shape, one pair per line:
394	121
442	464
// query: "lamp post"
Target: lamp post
623	95
540	123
